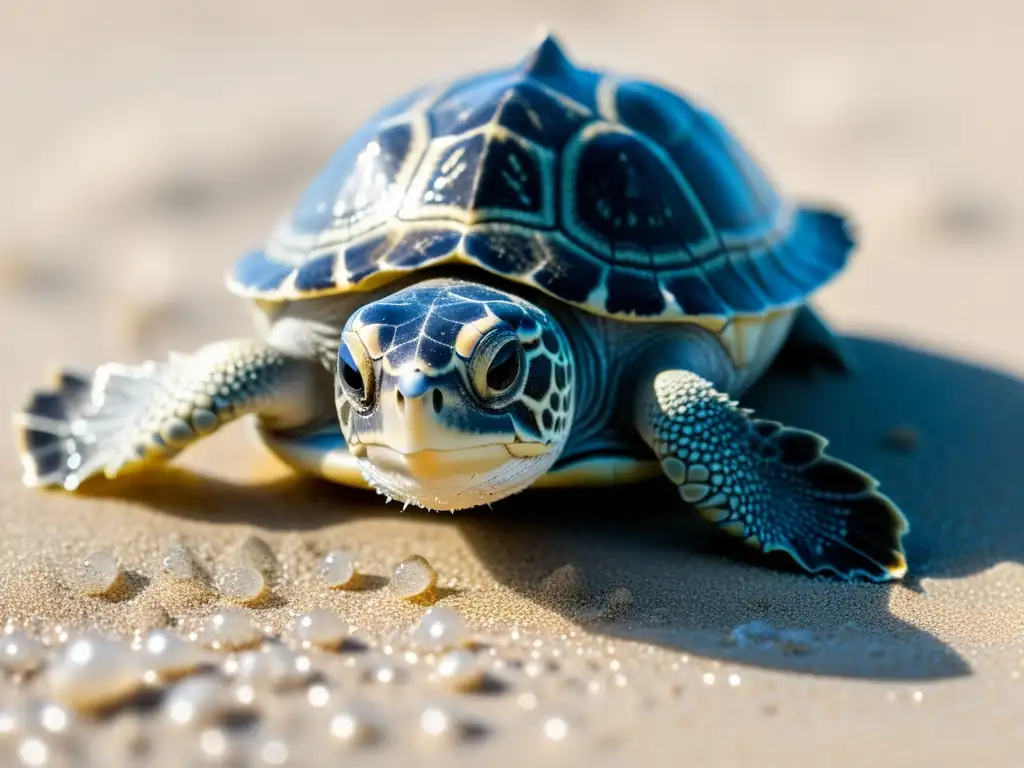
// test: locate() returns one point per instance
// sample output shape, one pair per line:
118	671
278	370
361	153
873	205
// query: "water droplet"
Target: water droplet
99	574
385	674
436	722
274	752
272	666
459	670
255	553
199	701
318	696
354	725
165	656
708	678
93	672
33	751
228	630
321	628
21	654
179	563
527	700
53	718
734	680
243	585
338	570
440	627
414	577
213	743
12	722
556	728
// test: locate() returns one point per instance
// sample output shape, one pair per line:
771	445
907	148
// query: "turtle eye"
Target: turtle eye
504	367
497	367
356	384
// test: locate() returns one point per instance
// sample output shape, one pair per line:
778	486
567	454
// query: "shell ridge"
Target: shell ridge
699	231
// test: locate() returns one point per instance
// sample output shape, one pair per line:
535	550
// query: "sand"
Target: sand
145	146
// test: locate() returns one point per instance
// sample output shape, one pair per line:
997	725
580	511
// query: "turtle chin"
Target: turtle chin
459	478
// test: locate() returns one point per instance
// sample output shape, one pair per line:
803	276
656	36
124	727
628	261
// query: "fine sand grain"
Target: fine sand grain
146	145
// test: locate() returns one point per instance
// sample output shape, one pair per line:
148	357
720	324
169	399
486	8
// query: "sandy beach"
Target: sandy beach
146	146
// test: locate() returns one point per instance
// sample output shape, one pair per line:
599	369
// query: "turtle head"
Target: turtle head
453	394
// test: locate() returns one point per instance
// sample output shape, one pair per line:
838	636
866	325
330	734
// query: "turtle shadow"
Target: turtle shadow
289	504
940	435
635	564
644	568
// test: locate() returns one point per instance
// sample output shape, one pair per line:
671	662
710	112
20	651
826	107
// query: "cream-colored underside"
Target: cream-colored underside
325	455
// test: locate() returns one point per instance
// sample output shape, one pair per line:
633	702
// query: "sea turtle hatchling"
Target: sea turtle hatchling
537	276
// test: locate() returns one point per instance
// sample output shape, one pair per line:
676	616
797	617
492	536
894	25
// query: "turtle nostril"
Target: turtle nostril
399	401
438	400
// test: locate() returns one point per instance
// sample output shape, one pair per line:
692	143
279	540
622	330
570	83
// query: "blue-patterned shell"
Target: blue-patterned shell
613	194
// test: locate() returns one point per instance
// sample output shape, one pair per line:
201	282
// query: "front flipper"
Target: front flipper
771	485
122	417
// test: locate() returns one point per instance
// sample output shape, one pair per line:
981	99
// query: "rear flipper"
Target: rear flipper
811	342
123	417
770	485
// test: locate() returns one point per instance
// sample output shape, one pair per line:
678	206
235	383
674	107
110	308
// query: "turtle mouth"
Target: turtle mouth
433	463
456	478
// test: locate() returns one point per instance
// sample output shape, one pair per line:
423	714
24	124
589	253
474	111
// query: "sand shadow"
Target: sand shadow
691	587
950	469
293	503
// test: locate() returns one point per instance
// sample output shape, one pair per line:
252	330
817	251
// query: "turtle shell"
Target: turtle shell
614	194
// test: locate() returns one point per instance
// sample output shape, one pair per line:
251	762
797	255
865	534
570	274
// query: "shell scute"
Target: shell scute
635	292
772	280
360	182
510	100
695	295
422	246
568	271
622	201
318	274
260	274
736	288
509	252
617	195
363	259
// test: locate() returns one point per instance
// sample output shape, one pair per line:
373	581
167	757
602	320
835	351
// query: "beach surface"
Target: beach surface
146	146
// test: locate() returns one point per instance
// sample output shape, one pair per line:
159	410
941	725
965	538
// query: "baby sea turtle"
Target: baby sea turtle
537	276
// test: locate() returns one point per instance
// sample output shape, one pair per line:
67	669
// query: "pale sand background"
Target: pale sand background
144	145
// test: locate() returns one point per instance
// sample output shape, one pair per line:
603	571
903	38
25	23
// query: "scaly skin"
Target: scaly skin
771	485
123	418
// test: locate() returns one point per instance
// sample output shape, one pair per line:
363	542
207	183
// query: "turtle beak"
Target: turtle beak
412	384
420	416
412	422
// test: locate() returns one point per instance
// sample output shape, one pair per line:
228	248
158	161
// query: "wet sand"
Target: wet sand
145	148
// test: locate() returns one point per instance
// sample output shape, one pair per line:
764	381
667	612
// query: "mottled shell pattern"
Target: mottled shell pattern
613	194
